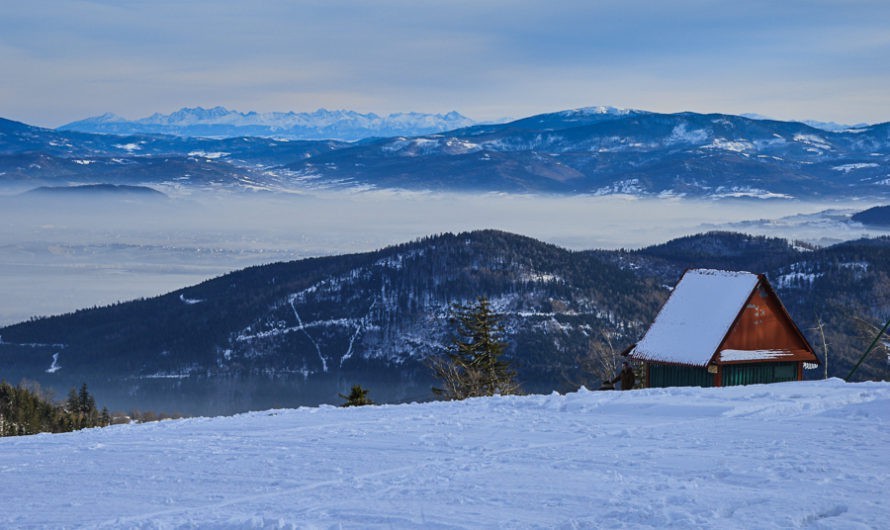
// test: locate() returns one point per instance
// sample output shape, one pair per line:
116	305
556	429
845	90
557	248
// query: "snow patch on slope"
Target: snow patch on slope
813	140
681	134
189	301
730	145
846	168
212	155
55	366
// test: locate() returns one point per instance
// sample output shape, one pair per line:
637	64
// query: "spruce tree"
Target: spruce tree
473	363
104	418
357	397
72	407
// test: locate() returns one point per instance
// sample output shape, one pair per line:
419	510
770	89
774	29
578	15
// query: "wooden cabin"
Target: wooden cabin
723	328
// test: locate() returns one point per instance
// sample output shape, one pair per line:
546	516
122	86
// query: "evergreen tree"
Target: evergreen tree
473	363
85	401
87	408
72	403
357	397
26	409
104	418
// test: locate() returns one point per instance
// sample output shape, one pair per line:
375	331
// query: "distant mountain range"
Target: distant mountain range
97	191
322	124
300	332
597	151
634	152
824	125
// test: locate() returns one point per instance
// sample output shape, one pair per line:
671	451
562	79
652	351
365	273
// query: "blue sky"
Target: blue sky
825	60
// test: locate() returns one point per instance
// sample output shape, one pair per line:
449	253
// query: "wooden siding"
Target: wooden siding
666	375
763	324
759	373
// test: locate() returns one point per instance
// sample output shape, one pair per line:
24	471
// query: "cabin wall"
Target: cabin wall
759	373
762	325
667	375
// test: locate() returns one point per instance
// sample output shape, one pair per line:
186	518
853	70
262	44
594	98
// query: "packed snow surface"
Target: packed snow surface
790	455
696	317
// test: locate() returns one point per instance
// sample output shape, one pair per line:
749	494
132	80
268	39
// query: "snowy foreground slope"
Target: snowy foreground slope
812	455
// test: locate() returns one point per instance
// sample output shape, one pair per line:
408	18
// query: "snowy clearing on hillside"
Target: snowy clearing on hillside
846	168
811	455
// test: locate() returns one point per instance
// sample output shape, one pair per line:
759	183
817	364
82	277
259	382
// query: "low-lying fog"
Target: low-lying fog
57	255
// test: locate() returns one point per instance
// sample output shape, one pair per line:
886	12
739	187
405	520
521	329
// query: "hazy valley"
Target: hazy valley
62	254
91	219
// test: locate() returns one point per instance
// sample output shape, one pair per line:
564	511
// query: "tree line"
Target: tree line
24	409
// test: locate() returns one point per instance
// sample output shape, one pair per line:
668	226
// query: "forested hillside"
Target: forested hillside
877	216
301	332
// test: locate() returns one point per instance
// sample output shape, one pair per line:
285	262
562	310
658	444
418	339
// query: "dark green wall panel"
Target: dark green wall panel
665	375
752	374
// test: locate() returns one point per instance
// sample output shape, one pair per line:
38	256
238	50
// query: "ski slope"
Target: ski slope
791	455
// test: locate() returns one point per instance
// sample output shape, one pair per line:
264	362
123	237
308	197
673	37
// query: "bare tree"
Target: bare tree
820	327
601	361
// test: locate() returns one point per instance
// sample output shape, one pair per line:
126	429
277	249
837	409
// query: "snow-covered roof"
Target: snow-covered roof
754	355
696	317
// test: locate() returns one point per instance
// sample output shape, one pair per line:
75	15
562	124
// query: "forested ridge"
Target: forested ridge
303	332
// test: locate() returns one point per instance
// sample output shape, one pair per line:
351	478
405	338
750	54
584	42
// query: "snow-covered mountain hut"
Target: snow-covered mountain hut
723	328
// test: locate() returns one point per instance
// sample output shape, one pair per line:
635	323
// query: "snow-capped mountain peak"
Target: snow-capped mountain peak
600	109
187	116
320	124
110	117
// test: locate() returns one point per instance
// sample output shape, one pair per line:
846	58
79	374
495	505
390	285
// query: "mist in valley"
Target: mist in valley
63	253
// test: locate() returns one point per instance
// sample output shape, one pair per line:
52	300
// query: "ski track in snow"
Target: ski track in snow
348	354
324	361
791	455
358	329
55	366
